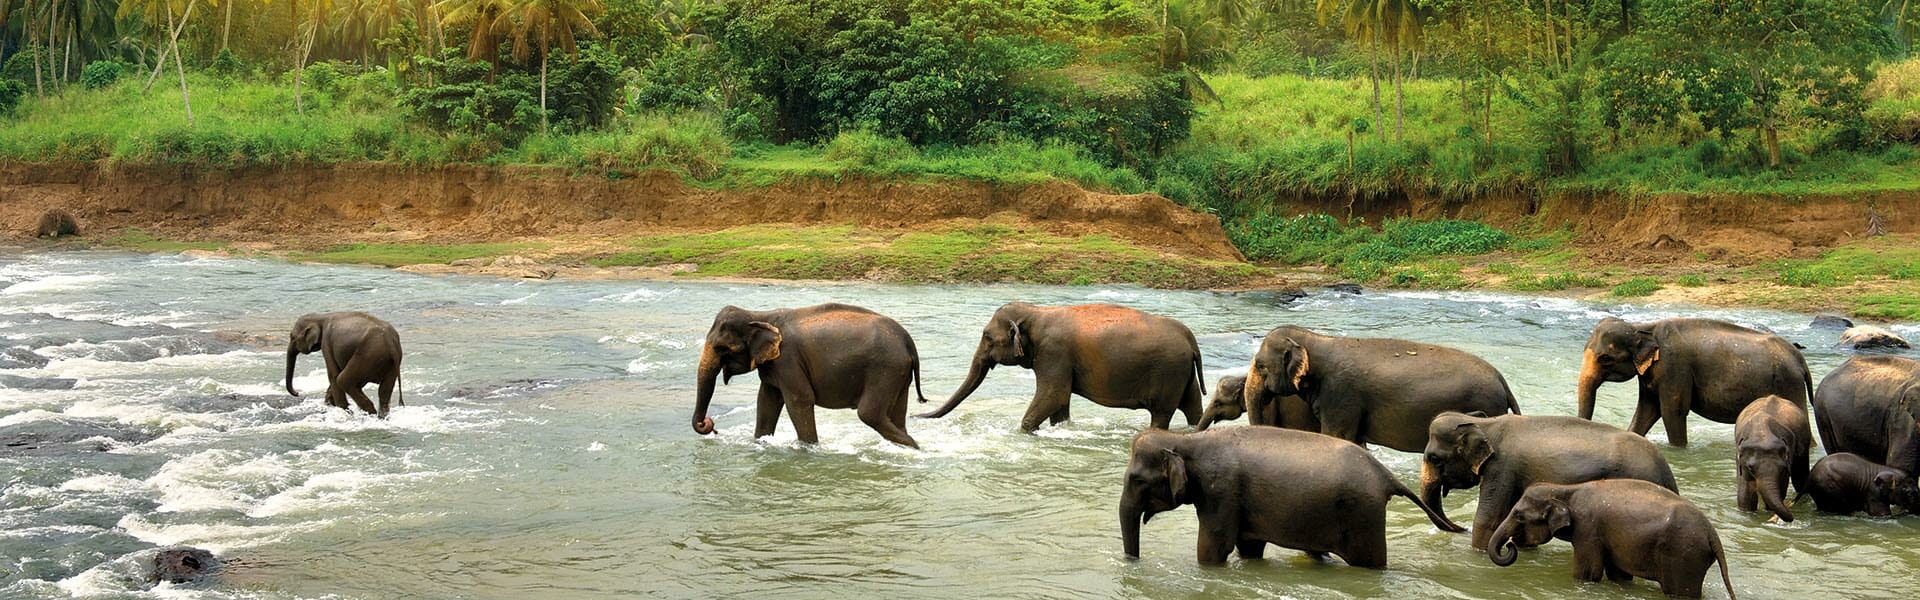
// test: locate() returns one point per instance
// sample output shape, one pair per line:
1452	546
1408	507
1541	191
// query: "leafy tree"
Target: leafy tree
549	22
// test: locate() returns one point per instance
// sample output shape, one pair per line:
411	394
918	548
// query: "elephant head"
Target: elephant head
1540	514
1279	367
1004	341
1617	351
305	339
1764	465
1228	402
1157	482
1892	487
737	343
1457	447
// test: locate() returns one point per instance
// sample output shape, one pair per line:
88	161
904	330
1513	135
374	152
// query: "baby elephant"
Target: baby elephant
1620	529
1847	483
1229	403
1771	440
358	349
1253	486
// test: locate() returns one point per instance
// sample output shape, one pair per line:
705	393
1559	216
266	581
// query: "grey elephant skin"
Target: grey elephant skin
1253	486
823	356
1373	390
1870	406
358	349
1230	401
1115	356
1620	529
1771	441
1847	483
1505	455
1700	366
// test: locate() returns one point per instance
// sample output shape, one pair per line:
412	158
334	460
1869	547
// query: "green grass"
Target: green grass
984	253
1903	306
1692	281
135	239
1555	282
396	255
1636	287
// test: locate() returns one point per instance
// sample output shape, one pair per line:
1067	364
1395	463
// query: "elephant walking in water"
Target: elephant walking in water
1707	367
1620	529
1113	355
1870	406
825	356
358	348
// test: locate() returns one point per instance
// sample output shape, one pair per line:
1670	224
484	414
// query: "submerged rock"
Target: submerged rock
21	358
1831	322
35	383
1868	337
183	564
1344	287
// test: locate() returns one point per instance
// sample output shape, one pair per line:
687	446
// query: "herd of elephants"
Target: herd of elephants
1301	478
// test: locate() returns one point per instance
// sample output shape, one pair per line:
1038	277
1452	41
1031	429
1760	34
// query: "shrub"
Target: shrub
1554	283
226	63
1636	287
862	148
1294	240
1403	239
101	73
11	92
1692	281
1811	276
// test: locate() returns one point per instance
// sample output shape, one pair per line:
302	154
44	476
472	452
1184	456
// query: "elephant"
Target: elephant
1253	486
358	348
1620	529
1771	442
1870	406
825	356
1373	390
1229	402
1707	367
56	223
1847	483
1113	355
1504	455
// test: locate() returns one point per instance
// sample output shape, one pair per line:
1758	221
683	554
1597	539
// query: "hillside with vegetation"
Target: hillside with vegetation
1231	107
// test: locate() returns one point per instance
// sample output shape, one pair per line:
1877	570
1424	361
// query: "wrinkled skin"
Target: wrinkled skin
1870	406
1505	455
823	356
1378	391
358	348
1113	355
1771	441
1230	401
1620	529
1847	483
1253	486
1706	367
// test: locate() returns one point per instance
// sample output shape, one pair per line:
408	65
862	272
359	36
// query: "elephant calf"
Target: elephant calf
358	348
1699	366
1229	402
1771	442
1847	483
826	356
1620	529
1505	455
1870	406
1254	486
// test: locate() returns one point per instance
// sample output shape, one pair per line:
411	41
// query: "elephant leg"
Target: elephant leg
1061	416
1496	499
1214	546
1373	556
1682	585
876	410
1675	415
356	375
766	415
1192	404
1616	575
1743	494
386	391
1054	387
1589	563
1251	549
1644	415
1162	419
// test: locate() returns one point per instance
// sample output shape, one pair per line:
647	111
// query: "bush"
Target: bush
861	148
1636	287
1403	239
1294	240
11	92
1692	281
227	64
101	73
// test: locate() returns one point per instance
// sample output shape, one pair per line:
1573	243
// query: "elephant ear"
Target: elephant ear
1558	517
1297	364
766	343
1646	351
1883	484
1176	474
306	335
1473	446
1019	341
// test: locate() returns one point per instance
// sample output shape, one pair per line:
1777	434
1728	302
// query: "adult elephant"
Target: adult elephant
1374	390
358	348
1707	367
1113	355
825	356
1505	455
1870	406
1229	402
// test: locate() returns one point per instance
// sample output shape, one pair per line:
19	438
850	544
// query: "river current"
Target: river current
544	449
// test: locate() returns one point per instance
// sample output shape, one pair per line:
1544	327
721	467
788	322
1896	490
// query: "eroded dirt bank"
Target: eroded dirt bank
486	203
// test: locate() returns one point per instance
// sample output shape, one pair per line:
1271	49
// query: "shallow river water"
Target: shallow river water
544	449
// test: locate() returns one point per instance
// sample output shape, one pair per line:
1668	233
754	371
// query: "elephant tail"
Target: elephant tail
1199	373
1439	520
1720	554
399	390
917	391
1513	403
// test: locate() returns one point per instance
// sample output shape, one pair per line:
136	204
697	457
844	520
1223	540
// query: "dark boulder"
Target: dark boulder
56	223
1345	287
35	383
183	564
1831	322
1868	337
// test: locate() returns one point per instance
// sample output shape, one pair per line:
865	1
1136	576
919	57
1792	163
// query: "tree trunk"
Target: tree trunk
1399	100
300	71
39	87
1772	136
226	30
169	47
53	41
179	65
1553	38
1373	75
543	84
66	63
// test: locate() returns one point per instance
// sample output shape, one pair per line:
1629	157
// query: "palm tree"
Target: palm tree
491	20
1396	24
307	28
553	21
152	11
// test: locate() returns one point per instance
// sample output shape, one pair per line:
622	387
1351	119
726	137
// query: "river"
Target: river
544	450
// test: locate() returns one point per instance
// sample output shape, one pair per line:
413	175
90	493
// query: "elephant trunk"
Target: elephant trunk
293	355
1773	492
1206	420
975	374
1432	490
1589	384
709	369
1500	548
1130	518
